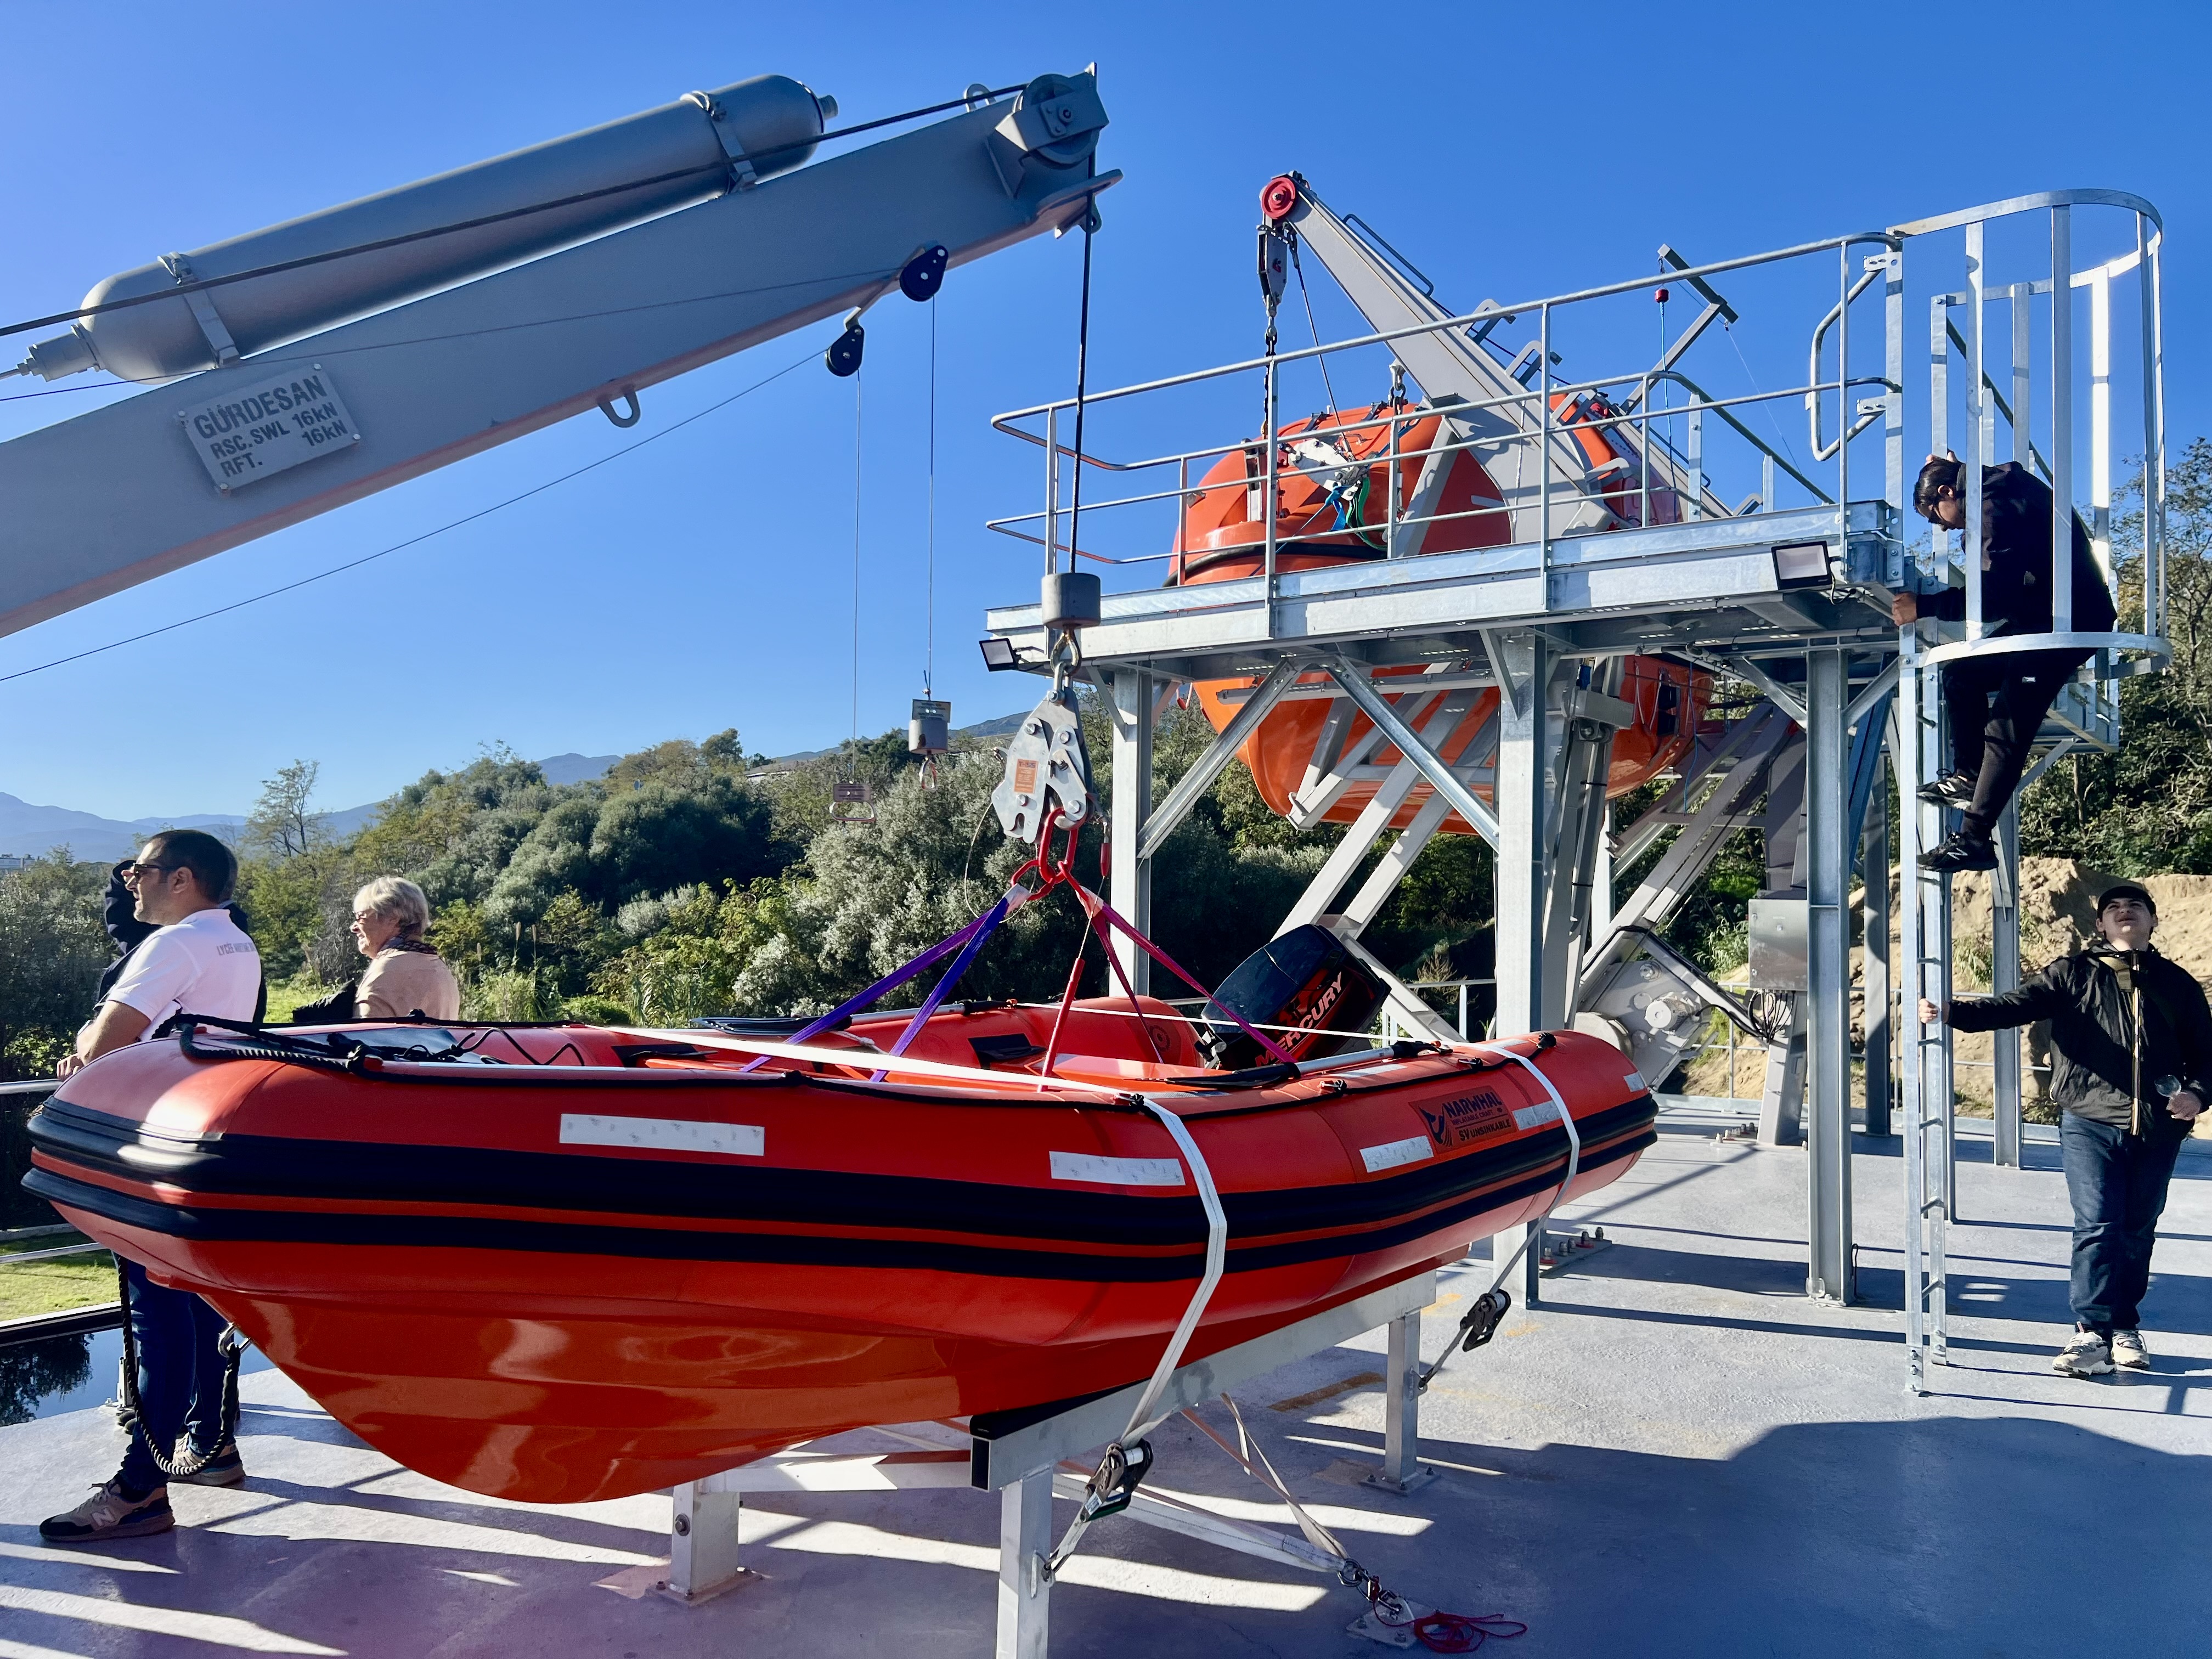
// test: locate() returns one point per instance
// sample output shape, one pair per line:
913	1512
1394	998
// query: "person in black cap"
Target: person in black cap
1996	703
2130	1052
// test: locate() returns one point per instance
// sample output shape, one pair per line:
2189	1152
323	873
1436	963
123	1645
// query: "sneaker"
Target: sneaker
109	1514
2086	1354
224	1468
1961	852
2127	1351
1952	789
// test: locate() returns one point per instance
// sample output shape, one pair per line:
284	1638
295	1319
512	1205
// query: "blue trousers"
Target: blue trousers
2117	1183
180	1376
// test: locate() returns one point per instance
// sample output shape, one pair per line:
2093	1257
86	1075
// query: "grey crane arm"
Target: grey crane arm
316	404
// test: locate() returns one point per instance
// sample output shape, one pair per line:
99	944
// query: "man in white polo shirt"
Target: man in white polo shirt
196	961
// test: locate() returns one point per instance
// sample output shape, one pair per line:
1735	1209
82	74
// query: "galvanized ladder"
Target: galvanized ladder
1924	941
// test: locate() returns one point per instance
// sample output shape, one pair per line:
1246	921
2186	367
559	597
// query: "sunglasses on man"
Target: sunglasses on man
135	869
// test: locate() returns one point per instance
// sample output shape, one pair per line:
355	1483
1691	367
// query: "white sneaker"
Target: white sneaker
2128	1349
2086	1354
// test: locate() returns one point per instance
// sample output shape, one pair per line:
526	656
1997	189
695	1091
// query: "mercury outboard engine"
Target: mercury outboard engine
1306	979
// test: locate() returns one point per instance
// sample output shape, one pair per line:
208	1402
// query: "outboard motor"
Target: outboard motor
1304	978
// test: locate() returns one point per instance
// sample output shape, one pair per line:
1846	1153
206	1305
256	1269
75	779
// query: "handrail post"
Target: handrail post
1390	522
2149	289
1843	387
1052	491
1183	505
1544	449
1692	505
1893	440
2061	420
1976	299
1268	464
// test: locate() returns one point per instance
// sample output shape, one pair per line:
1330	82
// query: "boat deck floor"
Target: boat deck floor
1677	1454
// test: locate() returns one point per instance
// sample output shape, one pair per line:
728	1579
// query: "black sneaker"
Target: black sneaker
223	1468
1952	789
109	1513
1961	852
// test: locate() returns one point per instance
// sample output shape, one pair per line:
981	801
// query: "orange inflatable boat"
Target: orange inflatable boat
562	1263
1333	478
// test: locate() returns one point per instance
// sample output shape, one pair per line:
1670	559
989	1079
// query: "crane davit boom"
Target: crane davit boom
281	433
607	177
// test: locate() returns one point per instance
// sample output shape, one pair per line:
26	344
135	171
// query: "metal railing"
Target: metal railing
1537	417
1651	479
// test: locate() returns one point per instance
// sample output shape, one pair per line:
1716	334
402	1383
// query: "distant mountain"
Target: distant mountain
575	769
26	829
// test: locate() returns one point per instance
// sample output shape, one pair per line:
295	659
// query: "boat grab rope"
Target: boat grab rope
1482	1318
1129	1458
179	1466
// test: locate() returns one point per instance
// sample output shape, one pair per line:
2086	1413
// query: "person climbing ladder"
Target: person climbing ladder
1996	705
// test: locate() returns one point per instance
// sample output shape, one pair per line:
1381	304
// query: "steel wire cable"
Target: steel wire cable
202	284
400	546
302	350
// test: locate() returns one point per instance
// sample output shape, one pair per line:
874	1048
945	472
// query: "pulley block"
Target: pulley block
843	357
924	274
1047	765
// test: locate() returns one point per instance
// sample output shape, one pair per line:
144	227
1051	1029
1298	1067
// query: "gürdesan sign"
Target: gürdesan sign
253	431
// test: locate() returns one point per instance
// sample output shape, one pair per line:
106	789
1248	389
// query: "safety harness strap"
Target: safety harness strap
1129	1457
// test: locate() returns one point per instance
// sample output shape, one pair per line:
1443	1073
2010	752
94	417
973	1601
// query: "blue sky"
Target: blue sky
707	582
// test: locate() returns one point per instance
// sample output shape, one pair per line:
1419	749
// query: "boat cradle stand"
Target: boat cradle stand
1029	1456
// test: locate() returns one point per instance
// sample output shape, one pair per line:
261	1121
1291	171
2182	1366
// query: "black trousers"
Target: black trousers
1997	706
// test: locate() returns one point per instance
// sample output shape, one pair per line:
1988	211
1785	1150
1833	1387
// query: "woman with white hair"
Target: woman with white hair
406	975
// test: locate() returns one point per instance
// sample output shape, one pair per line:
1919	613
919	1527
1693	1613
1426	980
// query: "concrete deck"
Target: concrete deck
1678	1455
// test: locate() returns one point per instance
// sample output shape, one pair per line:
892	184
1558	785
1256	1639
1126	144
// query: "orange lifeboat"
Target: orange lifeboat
619	1260
1333	478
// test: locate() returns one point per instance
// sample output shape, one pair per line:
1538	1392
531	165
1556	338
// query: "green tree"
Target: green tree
52	948
283	823
2147	807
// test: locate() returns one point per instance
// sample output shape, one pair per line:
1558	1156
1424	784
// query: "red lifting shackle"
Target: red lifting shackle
1279	198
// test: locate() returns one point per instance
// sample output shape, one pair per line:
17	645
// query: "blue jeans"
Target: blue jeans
180	1376
2118	1184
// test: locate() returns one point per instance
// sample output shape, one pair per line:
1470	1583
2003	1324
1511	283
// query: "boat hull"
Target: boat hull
458	1279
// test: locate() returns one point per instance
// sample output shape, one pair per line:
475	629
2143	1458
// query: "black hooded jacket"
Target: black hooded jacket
2016	586
2120	1022
119	915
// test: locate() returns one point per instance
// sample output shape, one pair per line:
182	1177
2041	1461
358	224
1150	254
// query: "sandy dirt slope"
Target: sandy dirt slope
2058	915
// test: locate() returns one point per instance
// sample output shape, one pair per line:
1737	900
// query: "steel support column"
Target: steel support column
703	1543
1828	966
1130	872
1401	1471
2004	976
1024	1542
1524	674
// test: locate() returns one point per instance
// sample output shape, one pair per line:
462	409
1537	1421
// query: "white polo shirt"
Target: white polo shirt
202	965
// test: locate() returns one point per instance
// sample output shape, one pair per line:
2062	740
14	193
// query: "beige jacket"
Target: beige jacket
399	982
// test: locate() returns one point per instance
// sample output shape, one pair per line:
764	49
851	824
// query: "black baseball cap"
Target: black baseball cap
2127	889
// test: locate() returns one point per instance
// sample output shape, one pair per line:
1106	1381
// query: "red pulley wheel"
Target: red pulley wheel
1280	198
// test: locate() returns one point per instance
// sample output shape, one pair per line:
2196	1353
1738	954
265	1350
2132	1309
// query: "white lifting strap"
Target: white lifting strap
1142	1420
1574	1156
